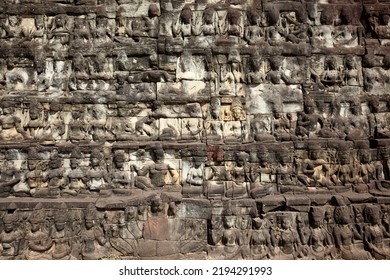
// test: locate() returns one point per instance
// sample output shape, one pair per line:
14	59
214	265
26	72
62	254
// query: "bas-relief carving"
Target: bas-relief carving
199	129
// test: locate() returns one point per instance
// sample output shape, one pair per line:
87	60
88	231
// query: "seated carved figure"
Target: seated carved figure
97	176
260	241
56	179
194	182
261	175
92	236
309	123
345	236
122	178
320	240
332	75
153	174
238	177
375	232
76	174
11	237
254	33
38	240
231	237
9	178
10	125
60	233
316	170
286	239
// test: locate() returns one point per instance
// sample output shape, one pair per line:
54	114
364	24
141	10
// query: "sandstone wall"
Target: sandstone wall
197	129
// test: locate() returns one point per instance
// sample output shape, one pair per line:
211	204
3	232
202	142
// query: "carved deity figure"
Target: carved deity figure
238	175
97	175
76	175
375	232
11	237
253	33
260	242
10	124
61	235
121	177
286	239
320	240
261	178
153	175
92	236
332	75
346	235
38	239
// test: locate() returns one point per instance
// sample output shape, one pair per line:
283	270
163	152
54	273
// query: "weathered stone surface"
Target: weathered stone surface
194	129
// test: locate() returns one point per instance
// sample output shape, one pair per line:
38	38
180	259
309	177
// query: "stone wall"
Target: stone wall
194	129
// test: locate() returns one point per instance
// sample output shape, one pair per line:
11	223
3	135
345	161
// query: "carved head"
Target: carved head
229	221
342	215
96	158
253	16
186	14
373	214
208	14
215	107
331	63
9	221
350	62
365	156
153	10
316	217
234	16
157	205
285	222
119	159
39	22
237	110
35	110
60	21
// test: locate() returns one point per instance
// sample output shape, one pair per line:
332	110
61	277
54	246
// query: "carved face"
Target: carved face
95	162
237	112
374	215
229	221
153	10
88	224
186	15
208	15
316	220
60	21
32	165
285	223
34	226
39	23
119	161
59	225
244	223
315	154
157	206
8	227
55	163
74	163
158	154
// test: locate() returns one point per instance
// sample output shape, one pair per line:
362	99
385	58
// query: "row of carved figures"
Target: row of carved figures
109	72
341	232
234	22
216	121
216	174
